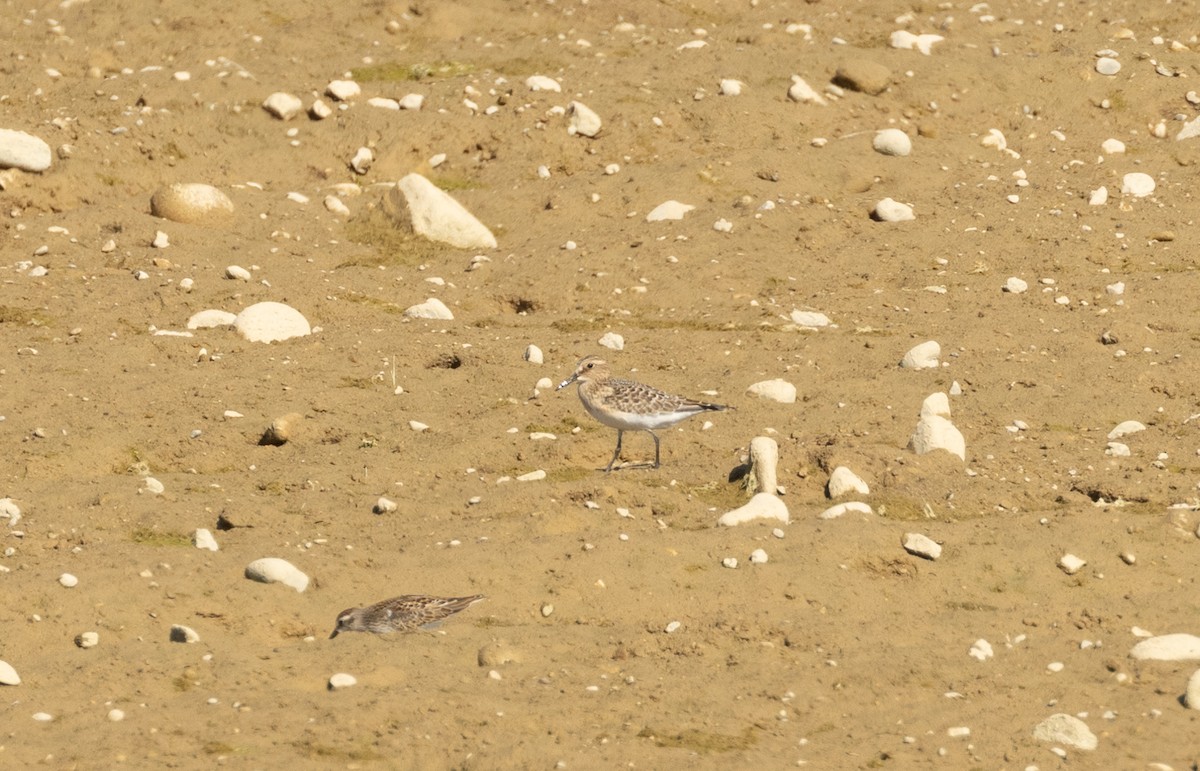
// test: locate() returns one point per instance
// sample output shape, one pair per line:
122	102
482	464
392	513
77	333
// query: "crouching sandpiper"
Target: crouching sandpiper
407	613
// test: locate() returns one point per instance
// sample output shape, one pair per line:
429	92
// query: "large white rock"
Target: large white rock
8	675
937	433
892	141
923	356
542	83
1138	184
843	481
936	404
761	506
267	322
668	210
922	546
271	570
191	203
1066	729
283	106
888	210
203	539
1168	647
776	390
435	215
19	150
343	90
433	308
1126	427
583	120
801	92
842	509
210	318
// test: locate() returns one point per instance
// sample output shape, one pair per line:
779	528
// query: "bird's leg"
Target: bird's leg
616	453
651	433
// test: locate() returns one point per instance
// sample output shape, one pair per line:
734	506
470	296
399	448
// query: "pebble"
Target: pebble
1168	647
1066	729
282	105
936	404
411	101
68	580
730	87
203	539
612	341
238	273
762	506
343	90
269	321
153	486
533	355
888	210
803	93
903	39
1138	184
269	570
432	308
384	506
383	103
335	205
542	83
764	460
193	203
583	120
982	650
1125	428
730	562
843	481
342	680
282	430
668	210
1112	146
318	110
1070	564
8	675
116	715
923	356
892	141
776	390
10	511
183	634
934	432
362	160
19	150
208	319
87	640
437	216
418	426
922	546
758	557
810	319
498	653
1015	285
1190	129
1106	65
1191	696
532	476
161	240
1098	197
842	509
43	717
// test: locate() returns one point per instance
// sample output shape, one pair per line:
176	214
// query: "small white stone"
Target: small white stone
1106	65
191	203
87	639
1191	696
1070	564
730	87
269	570
343	90
341	680
843	481
723	226
583	120
295	197
612	341
203	539
10	511
758	557
116	715
411	102
161	240
238	273
1066	729
211	318
922	546
803	93
362	160
842	509
1168	647
68	580
810	319
418	426
19	150
283	106
432	308
532	476
335	205
1137	184
730	562
1015	285
1112	146
1098	197
183	634
542	83
766	506
892	141
268	322
1125	428
1055	667
1115	289
923	356
384	103
547	610
668	210
533	355
776	390
1117	450
958	732
888	210
153	486
905	40
982	650
673	627
8	675
319	110
384	506
43	717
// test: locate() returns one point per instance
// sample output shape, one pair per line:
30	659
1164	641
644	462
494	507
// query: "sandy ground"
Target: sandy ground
843	651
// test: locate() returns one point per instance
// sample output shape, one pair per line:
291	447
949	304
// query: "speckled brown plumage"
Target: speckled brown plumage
406	613
627	405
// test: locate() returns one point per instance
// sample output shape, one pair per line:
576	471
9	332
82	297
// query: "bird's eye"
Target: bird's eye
591	364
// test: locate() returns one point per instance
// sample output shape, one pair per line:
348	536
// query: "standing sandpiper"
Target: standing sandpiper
406	613
627	405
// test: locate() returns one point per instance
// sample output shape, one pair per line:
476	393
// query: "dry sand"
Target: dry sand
842	651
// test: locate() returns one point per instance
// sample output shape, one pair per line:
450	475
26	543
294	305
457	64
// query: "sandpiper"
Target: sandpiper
627	405
406	613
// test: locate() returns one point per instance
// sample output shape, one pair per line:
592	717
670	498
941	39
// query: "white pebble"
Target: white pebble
161	240
68	580
923	356
730	562
1137	184
43	717
612	341
758	557
803	93
334	204
1070	564
23	151
411	102
1055	667
668	210
342	680
269	570
1112	146
842	509
10	511
268	322
1098	197
776	390
723	226
1066	729
203	539
673	627
418	426
283	106
432	308
532	476
319	110
763	505
1015	285
981	650
87	639
238	273
888	210
730	87
384	506
1125	428
892	141
1167	647
1106	65
583	120
343	90
810	319
533	355
542	83
8	675
384	103
922	546
362	160
1191	696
